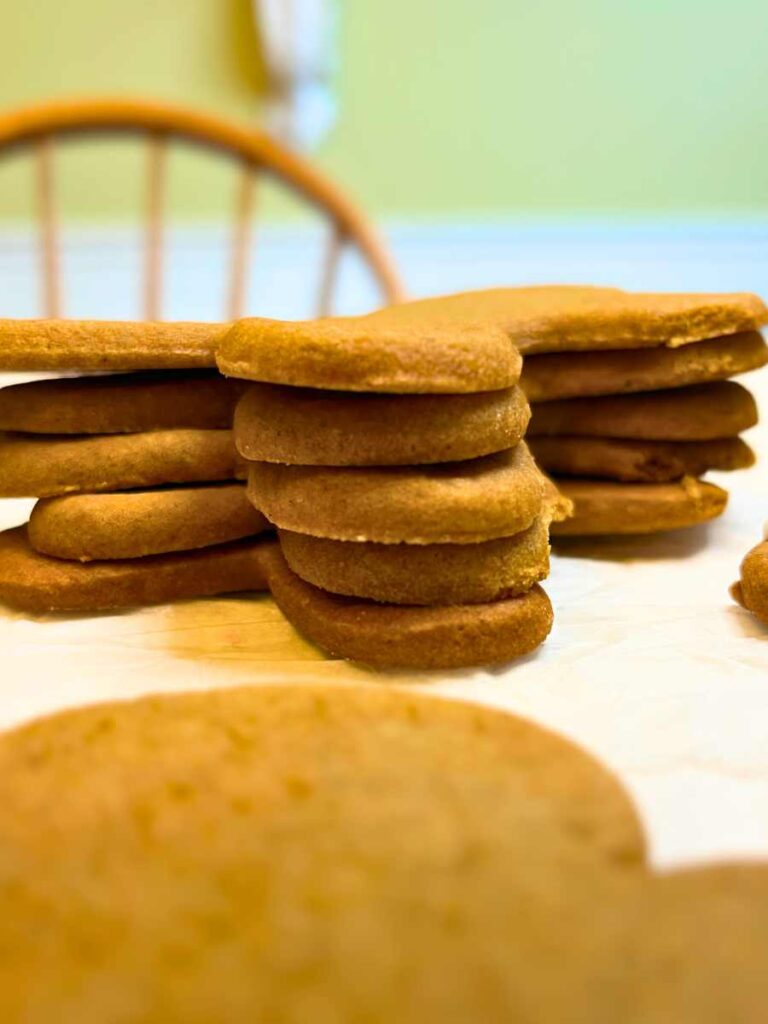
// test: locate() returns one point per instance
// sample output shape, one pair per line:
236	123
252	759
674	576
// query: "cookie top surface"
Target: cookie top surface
752	590
306	426
456	502
553	318
120	403
248	854
105	345
360	354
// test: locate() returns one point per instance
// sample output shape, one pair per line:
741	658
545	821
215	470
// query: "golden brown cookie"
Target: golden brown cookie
695	947
358	354
120	403
37	584
700	413
641	461
422	573
607	507
451	503
581	374
563	318
106	345
752	589
301	854
306	426
132	524
409	636
45	466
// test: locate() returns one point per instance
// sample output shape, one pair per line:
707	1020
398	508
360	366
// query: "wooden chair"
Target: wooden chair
159	124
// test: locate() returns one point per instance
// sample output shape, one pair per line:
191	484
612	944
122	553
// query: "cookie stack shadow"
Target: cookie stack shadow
629	426
413	523
135	473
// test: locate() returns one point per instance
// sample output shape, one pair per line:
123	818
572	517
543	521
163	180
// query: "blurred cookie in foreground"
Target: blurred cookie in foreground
751	591
299	853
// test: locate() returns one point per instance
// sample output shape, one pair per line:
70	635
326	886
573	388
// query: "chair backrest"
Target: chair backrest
42	126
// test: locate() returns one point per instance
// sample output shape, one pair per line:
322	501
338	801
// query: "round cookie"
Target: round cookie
358	354
752	589
583	374
638	461
700	413
132	524
43	467
305	853
607	507
120	403
563	318
410	636
422	574
37	584
695	947
456	503
307	426
106	345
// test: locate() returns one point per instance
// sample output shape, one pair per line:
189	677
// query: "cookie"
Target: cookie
43	467
120	403
310	427
564	318
641	461
702	413
36	584
455	503
607	507
137	523
411	636
105	345
359	354
304	853
695	947
752	589
422	573
582	374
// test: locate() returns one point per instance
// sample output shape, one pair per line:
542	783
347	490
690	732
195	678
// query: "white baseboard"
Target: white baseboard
101	266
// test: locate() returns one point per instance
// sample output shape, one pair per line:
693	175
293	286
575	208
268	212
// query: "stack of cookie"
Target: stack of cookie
630	394
134	472
413	522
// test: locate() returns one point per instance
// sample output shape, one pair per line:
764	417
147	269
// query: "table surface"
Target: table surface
650	665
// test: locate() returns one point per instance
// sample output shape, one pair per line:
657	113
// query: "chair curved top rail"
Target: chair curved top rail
86	116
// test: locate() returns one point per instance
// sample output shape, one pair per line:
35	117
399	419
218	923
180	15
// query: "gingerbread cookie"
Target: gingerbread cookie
694	947
563	318
701	413
456	503
307	426
752	589
42	467
359	354
583	374
120	403
37	584
409	636
638	461
255	854
132	524
106	345
422	573
606	507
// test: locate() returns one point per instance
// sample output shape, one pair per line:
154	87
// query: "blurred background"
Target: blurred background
605	141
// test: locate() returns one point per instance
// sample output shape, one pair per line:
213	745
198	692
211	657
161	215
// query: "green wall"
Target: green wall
448	107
